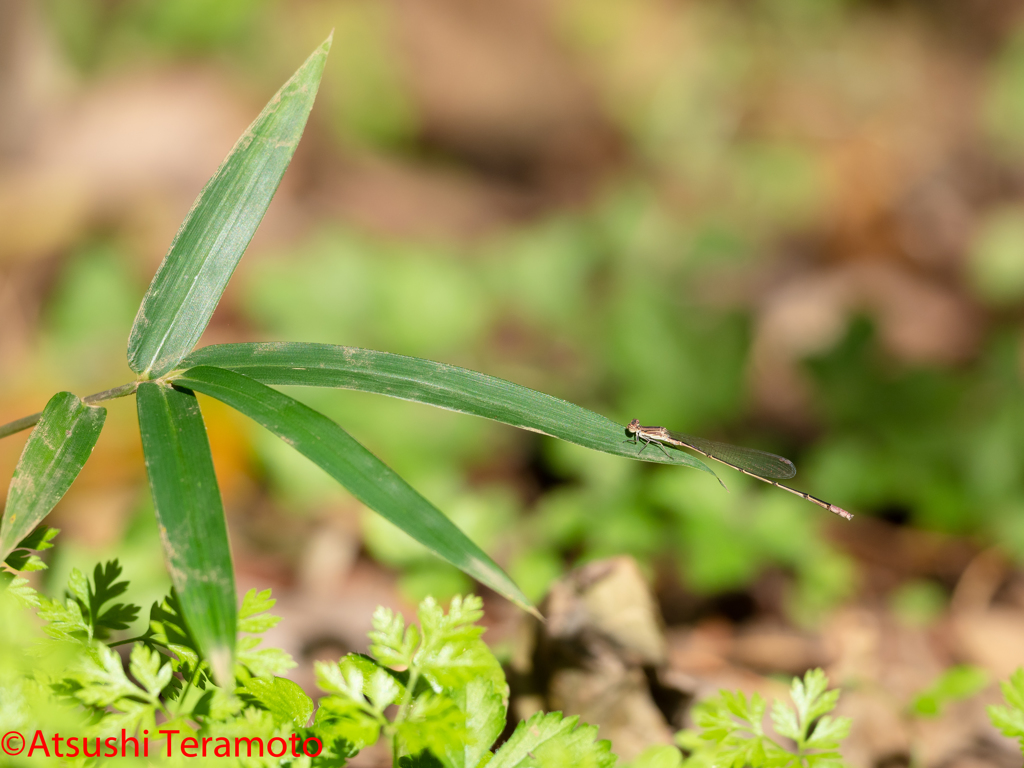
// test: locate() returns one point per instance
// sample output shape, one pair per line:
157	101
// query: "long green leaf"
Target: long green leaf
446	386
363	474
191	518
55	453
189	283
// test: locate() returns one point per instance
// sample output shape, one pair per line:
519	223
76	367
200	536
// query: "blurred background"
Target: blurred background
796	225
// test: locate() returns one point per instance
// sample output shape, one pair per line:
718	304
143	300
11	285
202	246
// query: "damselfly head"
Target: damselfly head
634	426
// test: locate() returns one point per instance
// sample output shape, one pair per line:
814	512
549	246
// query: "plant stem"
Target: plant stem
19	424
185	690
130	640
125	642
30	421
414	678
109	394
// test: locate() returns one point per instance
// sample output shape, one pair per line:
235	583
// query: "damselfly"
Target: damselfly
766	467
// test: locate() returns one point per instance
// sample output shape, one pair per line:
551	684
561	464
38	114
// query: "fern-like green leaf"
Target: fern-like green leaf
550	740
390	643
483	704
733	724
349	712
64	621
1013	689
432	722
812	697
285	700
254	619
452	652
424	759
262	662
253	616
148	667
828	733
784	720
170	630
103	588
1010	719
22	558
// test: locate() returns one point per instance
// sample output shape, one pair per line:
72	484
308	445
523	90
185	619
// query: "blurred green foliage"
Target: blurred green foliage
955	684
1004	106
608	305
918	602
997	260
364	94
942	445
94	300
449	306
94	33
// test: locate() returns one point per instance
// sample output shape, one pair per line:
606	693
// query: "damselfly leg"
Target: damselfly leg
640	438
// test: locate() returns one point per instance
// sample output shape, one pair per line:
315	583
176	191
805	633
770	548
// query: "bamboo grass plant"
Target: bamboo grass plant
173	315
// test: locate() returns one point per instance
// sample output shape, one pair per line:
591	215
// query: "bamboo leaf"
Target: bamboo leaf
55	453
446	386
188	285
191	519
347	461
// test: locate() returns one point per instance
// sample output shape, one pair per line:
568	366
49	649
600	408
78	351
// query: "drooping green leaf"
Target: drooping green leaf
363	474
55	453
191	518
424	381
189	283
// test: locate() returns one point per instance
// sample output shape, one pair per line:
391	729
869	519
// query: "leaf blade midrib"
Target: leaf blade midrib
478	394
